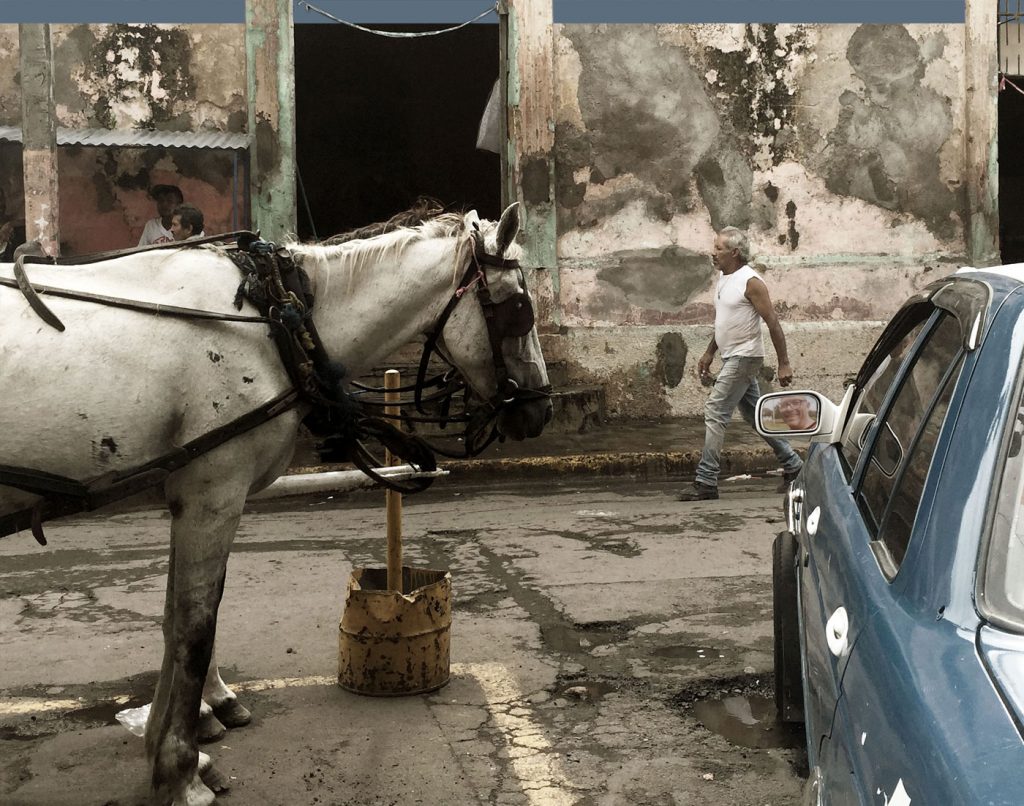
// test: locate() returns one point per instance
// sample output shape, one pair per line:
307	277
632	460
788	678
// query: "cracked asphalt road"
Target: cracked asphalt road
610	645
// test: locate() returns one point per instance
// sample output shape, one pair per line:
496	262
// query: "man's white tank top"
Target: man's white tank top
737	322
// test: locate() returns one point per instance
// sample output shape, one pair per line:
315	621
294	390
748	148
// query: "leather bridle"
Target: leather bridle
512	317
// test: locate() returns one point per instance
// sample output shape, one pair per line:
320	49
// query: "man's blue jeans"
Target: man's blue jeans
736	386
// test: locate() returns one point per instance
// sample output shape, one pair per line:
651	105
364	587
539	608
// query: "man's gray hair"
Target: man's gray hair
735	238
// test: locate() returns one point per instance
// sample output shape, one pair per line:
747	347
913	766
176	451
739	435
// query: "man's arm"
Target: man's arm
757	293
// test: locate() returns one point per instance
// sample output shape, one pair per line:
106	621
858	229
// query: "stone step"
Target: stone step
577	409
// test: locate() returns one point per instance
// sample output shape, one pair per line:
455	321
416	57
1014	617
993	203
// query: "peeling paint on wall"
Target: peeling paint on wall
822	141
10	77
885	148
652	140
175	78
671	359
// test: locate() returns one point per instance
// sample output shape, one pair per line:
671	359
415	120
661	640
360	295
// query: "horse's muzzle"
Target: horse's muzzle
525	419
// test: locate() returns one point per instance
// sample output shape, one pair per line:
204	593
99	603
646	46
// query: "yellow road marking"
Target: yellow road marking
539	770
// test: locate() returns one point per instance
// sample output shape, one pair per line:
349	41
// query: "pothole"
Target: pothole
741	710
747	722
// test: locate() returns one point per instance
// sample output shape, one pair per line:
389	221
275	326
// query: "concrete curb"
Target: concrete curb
642	464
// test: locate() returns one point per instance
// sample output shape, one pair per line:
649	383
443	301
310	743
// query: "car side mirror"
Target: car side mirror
795	414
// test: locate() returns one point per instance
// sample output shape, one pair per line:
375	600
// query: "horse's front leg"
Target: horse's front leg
205	508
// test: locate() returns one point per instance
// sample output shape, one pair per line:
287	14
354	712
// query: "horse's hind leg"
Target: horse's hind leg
226	708
205	509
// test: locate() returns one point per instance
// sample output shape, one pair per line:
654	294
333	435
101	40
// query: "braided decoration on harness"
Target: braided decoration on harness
281	291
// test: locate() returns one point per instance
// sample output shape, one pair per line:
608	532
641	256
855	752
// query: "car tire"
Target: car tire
789	690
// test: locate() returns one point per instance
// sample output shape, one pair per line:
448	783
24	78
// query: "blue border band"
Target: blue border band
751	11
455	11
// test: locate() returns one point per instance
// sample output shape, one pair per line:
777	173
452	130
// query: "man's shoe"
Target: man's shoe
700	492
788	477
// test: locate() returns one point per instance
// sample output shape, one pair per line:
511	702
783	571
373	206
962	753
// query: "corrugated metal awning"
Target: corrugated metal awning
137	137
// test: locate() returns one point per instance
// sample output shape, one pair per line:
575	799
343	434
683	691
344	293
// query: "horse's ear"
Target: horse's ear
471	220
508	227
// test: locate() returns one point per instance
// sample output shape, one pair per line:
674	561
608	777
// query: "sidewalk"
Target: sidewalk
657	449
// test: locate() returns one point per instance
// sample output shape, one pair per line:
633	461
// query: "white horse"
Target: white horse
119	388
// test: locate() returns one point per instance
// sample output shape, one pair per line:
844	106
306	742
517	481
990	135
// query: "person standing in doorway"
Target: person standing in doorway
187	223
158	230
12	231
742	303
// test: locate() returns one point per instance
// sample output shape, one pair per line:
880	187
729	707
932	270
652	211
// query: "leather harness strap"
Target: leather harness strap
64	496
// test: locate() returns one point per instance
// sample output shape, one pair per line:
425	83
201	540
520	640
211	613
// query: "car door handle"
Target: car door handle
836	630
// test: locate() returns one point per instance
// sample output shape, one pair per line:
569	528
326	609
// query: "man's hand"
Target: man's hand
704	366
785	375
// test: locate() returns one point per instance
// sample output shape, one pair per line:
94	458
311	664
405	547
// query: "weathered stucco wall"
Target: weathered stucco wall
840	148
10	80
157	77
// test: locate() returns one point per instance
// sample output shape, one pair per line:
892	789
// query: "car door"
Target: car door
878	715
841	579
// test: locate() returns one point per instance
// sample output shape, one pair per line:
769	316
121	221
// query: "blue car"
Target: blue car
899	583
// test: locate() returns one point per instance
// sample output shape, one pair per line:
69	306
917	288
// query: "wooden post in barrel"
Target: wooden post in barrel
393	499
395	638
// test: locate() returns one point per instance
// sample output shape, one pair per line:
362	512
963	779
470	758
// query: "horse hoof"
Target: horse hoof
210	728
232	714
196	794
215	780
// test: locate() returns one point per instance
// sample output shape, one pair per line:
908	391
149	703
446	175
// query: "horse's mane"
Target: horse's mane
356	254
423	209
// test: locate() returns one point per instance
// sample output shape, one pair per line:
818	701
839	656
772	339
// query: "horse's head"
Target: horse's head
491	335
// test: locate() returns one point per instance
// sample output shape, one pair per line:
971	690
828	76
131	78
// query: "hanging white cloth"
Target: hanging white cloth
488	138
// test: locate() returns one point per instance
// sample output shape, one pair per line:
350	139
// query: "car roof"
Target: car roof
1012	271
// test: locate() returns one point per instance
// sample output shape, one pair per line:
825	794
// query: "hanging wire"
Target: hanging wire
399	34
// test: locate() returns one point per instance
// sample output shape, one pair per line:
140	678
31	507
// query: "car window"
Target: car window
902	451
1002	582
874	390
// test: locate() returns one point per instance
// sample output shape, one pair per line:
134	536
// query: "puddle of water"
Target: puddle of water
748	722
560	639
688	652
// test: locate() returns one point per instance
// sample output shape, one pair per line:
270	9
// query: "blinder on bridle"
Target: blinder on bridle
513	317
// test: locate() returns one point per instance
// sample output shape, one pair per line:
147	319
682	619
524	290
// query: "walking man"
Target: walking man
741	304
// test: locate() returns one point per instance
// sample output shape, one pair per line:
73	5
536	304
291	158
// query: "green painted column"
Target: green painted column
270	73
530	160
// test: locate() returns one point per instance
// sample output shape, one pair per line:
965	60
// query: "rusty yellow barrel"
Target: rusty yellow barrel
389	643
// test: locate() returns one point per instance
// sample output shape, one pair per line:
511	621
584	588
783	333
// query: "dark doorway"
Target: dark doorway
1011	172
380	121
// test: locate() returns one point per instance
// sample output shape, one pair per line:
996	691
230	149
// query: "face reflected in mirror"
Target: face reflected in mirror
790	413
